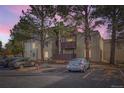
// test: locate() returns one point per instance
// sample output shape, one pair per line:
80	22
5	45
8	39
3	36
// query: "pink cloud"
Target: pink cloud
17	9
7	23
103	32
4	30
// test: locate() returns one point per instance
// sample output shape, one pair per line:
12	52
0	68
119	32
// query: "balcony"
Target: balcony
64	56
68	45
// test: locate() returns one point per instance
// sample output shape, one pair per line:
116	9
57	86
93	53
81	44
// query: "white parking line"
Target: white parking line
85	76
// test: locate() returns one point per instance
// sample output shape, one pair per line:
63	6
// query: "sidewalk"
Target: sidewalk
103	66
42	68
48	67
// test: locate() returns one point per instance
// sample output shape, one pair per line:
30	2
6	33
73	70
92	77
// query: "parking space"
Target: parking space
58	77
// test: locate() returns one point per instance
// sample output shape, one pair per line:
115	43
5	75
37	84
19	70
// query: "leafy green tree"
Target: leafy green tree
31	26
0	47
19	34
59	31
81	16
114	16
40	16
13	47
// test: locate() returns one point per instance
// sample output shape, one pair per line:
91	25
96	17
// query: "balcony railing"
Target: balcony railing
64	56
68	45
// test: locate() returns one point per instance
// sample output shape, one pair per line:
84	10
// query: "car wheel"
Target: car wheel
21	66
69	70
5	66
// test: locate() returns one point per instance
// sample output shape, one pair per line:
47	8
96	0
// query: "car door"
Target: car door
20	62
25	62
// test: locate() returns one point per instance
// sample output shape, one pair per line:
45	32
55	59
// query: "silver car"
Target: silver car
21	62
78	64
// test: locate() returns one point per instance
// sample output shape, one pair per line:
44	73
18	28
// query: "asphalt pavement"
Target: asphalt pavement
95	77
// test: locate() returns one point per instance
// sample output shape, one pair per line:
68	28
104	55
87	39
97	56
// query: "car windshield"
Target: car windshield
12	58
8	59
76	59
18	59
21	59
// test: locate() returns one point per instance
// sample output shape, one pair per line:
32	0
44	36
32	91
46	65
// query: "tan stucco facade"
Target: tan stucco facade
99	49
94	47
80	46
33	50
119	51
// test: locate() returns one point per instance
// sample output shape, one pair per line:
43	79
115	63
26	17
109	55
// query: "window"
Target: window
46	54
33	45
69	40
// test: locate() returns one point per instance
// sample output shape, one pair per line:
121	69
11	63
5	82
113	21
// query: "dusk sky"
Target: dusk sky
9	16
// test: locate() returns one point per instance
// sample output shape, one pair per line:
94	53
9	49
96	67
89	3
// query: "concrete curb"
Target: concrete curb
33	69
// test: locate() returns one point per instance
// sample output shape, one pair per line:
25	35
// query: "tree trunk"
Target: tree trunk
42	35
42	53
87	48
23	48
113	40
87	34
42	47
59	43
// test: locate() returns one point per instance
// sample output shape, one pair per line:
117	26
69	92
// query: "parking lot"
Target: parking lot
98	76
